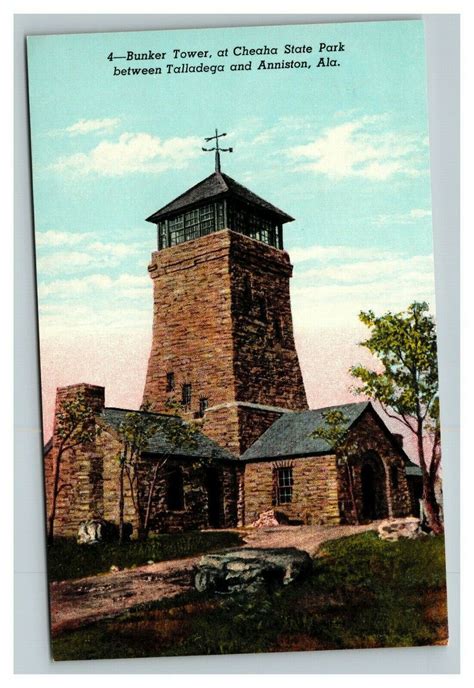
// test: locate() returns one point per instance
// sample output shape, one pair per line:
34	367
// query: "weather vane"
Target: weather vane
216	148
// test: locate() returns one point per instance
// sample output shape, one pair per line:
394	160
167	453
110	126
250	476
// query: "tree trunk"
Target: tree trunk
351	492
54	497
430	504
121	502
146	524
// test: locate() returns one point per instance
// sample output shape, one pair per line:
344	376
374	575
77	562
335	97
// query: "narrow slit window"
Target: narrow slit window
278	330
186	395
169	382
203	406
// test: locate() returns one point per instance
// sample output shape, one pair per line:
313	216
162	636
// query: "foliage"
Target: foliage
406	386
67	559
136	431
334	432
364	592
405	344
74	425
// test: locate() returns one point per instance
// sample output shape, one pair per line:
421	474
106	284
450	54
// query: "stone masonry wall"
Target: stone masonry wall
321	488
192	322
266	365
315	489
222	323
372	441
221	424
253	423
89	476
237	426
81	470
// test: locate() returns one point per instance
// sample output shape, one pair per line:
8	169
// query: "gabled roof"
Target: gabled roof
204	448
290	435
217	184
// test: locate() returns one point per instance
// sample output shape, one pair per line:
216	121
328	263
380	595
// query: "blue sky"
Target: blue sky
344	150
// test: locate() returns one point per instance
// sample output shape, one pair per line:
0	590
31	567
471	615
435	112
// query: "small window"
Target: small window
203	406
277	328
247	293
175	489
284	485
169	382
394	476
186	395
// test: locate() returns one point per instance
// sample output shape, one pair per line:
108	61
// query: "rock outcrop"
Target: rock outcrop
98	530
395	529
269	519
251	569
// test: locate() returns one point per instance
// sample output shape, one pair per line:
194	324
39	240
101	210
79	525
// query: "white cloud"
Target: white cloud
361	148
66	320
131	153
53	238
335	253
331	292
124	285
420	212
87	126
90	255
408	218
378	269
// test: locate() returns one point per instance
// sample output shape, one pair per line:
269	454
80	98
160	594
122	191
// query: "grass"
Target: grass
363	592
67	559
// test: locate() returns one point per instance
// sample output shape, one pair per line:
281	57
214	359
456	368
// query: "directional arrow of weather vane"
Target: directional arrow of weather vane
217	148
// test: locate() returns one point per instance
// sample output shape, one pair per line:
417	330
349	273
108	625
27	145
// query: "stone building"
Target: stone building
198	487
223	347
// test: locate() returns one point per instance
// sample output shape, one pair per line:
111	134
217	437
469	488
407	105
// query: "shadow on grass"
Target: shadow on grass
67	559
363	592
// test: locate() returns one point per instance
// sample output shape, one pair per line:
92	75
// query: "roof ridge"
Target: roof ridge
191	188
150	413
214	186
335	406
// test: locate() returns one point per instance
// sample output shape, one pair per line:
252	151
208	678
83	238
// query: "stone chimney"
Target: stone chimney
94	395
80	473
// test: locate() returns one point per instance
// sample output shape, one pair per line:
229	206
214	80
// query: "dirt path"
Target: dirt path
308	538
75	603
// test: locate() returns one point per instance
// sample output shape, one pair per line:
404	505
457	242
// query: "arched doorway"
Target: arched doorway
373	489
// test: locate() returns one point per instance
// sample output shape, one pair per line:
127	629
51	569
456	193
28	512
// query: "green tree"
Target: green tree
74	425
334	432
143	475
406	386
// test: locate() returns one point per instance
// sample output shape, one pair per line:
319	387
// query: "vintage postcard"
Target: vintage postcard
238	340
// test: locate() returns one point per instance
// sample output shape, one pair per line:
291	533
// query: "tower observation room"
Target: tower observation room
215	203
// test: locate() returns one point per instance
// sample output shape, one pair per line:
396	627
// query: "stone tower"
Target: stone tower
223	341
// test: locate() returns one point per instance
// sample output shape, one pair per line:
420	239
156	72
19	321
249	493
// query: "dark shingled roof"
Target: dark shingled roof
205	447
290	435
217	184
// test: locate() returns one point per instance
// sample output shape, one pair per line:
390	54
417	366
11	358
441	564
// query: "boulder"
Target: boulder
97	530
395	529
251	569
269	519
